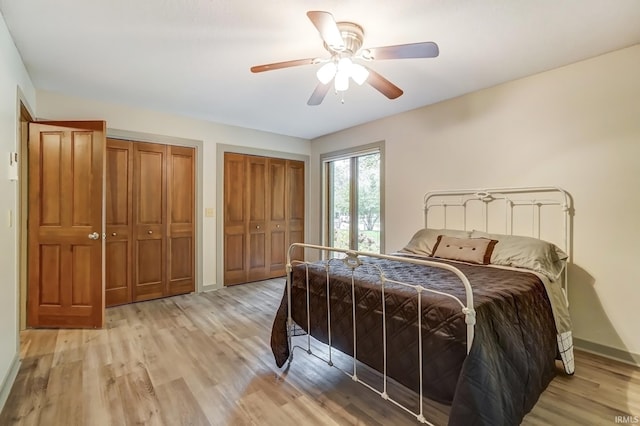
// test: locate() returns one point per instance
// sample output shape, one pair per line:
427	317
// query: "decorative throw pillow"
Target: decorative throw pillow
474	250
526	252
425	239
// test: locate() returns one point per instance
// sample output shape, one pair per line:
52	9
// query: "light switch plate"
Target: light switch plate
209	212
13	166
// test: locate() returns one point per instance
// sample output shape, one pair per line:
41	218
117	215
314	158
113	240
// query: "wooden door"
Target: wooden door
277	220
235	218
180	217
66	181
149	221
119	216
295	206
258	237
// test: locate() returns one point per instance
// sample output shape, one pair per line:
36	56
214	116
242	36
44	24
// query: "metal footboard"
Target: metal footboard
352	259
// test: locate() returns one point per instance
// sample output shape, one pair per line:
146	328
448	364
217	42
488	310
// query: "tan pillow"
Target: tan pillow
425	239
526	252
474	250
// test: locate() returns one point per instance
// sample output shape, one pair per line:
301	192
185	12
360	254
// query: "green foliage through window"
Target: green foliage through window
354	202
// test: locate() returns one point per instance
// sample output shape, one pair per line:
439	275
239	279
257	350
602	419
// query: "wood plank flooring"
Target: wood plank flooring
204	359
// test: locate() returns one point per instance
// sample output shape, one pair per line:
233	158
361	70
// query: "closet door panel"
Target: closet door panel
257	192
149	270
181	266
278	258
119	212
149	216
277	217
118	273
181	216
295	204
235	219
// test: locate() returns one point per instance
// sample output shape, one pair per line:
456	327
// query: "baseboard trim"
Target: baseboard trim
7	383
210	287
607	351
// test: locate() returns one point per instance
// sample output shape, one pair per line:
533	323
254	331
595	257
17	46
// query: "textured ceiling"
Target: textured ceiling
192	57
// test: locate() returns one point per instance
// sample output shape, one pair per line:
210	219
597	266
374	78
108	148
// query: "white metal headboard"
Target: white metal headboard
539	212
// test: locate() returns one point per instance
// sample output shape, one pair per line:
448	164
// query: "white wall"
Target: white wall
577	127
125	119
13	79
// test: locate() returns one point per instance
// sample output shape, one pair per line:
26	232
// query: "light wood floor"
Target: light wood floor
205	360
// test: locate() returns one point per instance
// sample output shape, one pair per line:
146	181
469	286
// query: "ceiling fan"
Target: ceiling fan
343	41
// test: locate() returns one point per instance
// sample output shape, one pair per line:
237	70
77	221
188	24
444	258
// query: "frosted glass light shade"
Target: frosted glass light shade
359	74
341	81
341	71
344	64
326	72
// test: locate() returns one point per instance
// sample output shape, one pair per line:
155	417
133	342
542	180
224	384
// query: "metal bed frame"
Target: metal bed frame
530	202
438	205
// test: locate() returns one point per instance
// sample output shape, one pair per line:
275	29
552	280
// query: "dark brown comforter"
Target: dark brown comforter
512	357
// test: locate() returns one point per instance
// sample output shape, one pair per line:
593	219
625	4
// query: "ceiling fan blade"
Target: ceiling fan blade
327	28
383	85
285	64
426	49
319	93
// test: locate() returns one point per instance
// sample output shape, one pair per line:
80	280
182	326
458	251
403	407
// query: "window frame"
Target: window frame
352	154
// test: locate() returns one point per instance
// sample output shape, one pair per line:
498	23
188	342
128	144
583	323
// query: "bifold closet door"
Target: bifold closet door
295	206
257	192
181	217
277	220
149	221
263	214
150	215
119	216
235	219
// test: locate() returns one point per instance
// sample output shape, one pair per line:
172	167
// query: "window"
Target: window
353	208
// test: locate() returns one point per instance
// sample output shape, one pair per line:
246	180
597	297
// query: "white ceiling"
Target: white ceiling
192	57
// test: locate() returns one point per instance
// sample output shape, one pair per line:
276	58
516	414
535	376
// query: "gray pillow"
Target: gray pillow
526	252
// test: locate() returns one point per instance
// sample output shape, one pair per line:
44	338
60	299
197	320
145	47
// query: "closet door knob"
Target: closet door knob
113	234
277	226
94	236
149	232
257	226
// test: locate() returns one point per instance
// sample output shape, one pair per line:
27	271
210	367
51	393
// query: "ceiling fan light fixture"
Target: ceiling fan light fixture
359	74
344	64
326	72
342	80
343	41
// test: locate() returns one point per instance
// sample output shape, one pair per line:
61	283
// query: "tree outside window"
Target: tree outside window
354	202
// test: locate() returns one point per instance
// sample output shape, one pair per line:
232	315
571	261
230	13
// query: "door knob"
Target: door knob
149	232
94	236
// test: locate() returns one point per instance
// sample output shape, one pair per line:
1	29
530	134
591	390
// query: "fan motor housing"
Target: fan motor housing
353	36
